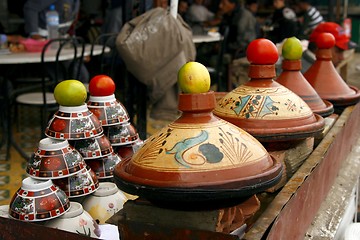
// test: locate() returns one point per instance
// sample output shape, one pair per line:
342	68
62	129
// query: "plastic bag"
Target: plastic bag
154	46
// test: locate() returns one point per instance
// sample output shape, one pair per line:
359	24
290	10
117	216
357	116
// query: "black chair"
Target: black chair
219	72
41	95
128	87
108	60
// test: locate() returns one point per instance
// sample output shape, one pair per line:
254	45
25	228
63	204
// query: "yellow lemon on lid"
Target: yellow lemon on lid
193	77
70	93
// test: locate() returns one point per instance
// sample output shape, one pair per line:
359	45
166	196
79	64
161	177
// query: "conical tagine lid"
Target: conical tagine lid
292	78
323	76
198	158
264	108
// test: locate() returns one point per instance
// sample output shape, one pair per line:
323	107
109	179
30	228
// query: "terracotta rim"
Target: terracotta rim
348	100
121	172
327	111
237	188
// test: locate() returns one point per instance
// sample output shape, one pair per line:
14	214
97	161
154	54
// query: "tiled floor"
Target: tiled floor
28	135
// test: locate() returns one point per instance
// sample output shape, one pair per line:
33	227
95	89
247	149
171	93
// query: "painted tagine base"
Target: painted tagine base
198	158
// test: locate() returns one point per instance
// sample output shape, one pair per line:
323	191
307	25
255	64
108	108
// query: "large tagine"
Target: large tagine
198	158
264	108
292	78
323	76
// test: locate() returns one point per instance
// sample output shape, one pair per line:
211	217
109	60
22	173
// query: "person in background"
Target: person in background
113	17
198	13
35	24
183	9
342	44
35	16
283	22
242	23
247	27
310	18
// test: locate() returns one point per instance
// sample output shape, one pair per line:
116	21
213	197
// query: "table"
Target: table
35	57
206	38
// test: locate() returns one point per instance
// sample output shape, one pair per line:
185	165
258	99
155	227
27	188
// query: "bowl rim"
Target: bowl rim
32	184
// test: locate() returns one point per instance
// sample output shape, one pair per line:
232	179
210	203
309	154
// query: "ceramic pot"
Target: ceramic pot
327	82
83	183
76	220
108	110
95	147
38	200
105	202
125	151
121	134
199	157
292	78
4	211
73	123
103	167
54	159
266	109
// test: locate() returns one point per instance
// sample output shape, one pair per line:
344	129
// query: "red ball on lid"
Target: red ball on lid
101	85
262	51
325	40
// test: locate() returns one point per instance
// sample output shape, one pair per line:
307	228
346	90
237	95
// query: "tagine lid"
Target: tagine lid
263	107
325	79
292	78
198	157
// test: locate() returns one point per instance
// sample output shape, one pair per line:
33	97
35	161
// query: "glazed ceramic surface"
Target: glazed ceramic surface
108	110
83	183
124	151
198	157
121	134
54	159
103	167
327	82
105	202
292	78
76	220
94	147
73	123
268	110
38	200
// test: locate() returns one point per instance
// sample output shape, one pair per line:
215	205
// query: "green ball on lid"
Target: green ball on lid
70	93
292	49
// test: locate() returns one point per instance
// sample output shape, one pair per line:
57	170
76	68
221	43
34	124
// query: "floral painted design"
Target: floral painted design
86	230
112	210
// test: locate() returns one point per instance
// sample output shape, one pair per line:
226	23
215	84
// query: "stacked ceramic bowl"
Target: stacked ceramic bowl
77	124
98	154
76	220
38	200
115	121
57	160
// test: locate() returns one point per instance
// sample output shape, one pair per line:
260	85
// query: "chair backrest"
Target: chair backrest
60	69
105	62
